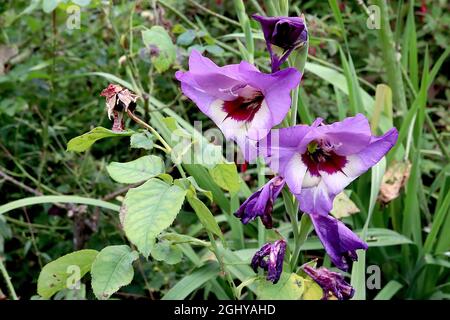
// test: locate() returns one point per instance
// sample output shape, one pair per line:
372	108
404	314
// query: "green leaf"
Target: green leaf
312	290
148	210
205	216
207	193
215	50
176	238
82	3
186	38
289	287
379	237
57	199
226	176
192	282
55	275
112	269
429	259
158	37
376	237
169	253
389	290
137	170
358	279
85	141
50	5
142	140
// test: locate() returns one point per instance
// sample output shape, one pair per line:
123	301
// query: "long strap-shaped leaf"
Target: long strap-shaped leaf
57	199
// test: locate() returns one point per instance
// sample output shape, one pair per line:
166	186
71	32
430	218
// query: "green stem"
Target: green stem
294	106
5	274
179	14
305	226
291	206
227	275
150	128
261	182
392	67
215	14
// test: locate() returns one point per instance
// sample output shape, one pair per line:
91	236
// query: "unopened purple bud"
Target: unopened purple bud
287	33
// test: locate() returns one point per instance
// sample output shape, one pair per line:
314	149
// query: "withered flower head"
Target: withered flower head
118	101
332	283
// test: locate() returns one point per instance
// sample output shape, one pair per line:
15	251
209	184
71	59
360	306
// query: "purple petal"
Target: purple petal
360	162
377	149
270	258
278	149
260	203
339	241
276	258
349	136
258	258
276	88
243	102
315	200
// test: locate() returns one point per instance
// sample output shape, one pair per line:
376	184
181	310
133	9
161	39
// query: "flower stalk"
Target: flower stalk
145	125
7	278
227	275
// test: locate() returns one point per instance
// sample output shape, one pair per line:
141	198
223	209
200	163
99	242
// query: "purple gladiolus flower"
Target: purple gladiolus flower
285	33
270	258
331	283
260	204
339	241
319	161
242	101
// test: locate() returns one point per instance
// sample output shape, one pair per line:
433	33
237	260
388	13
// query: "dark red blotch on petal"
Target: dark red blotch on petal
327	161
242	108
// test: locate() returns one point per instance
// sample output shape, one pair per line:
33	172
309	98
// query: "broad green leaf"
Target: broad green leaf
205	216
148	210
192	282
85	141
142	140
112	269
289	287
226	176
169	253
64	272
312	290
165	52
137	170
